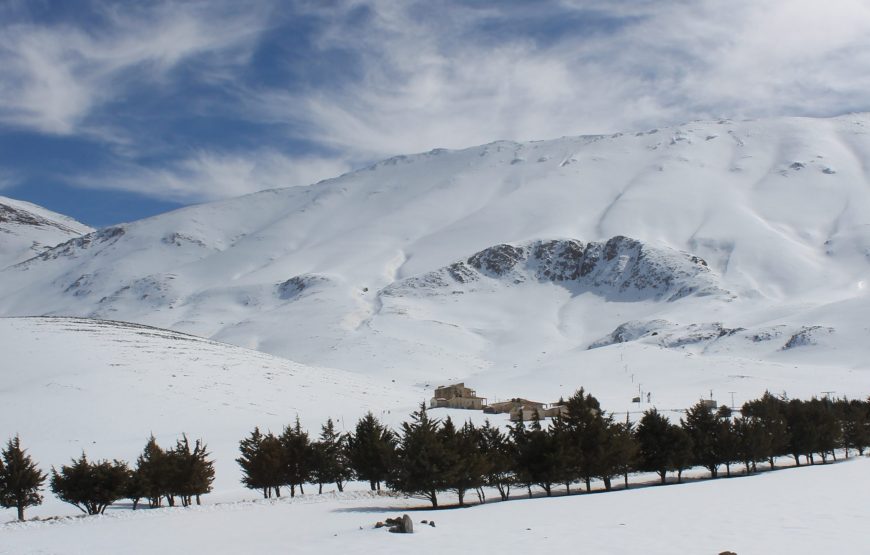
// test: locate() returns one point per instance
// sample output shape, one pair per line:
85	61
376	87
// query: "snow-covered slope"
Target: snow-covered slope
762	227
72	384
27	230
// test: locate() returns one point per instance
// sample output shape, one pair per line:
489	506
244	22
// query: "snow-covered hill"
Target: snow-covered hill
27	230
73	384
749	241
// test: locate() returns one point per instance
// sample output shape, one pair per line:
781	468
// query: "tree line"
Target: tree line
426	456
182	473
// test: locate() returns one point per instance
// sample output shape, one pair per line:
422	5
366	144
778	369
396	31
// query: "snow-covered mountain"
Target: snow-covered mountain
27	230
748	241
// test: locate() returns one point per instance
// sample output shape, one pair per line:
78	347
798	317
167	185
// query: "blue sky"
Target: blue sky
112	111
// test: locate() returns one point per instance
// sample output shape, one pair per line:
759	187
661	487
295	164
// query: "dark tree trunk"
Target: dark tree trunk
588	484
663	475
21	512
607	485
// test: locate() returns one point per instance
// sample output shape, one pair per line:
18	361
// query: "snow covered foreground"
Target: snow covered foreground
819	509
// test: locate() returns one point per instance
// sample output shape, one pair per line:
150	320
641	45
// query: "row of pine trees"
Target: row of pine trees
427	456
182	473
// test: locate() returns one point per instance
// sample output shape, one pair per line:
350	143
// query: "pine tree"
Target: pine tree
803	437
330	463
770	415
20	479
654	435
854	418
466	466
262	463
135	488
497	450
704	427
298	457
192	473
539	457
153	468
586	427
371	451
421	460
682	453
752	441
520	442
727	440
620	453
91	487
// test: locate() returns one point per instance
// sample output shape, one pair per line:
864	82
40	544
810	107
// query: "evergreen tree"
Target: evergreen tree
135	488
752	441
727	440
769	413
586	429
371	451
298	457
704	427
262	463
154	470
620	452
520	442
803	437
682	451
421	460
20	479
854	419
497	450
539	457
827	426
91	487
191	471
661	444
330	463
467	467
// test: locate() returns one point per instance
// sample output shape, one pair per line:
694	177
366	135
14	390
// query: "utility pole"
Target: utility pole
732	399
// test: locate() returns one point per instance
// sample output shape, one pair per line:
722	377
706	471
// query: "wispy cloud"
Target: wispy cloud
450	79
209	175
252	89
53	77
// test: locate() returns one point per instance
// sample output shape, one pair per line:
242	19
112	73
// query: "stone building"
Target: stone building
456	396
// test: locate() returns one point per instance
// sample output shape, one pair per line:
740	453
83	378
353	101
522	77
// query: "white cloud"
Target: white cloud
435	81
53	77
211	175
